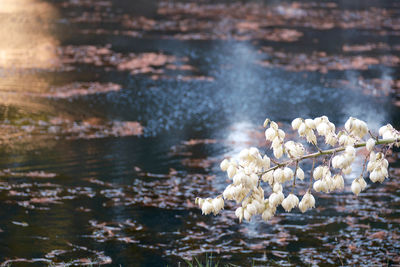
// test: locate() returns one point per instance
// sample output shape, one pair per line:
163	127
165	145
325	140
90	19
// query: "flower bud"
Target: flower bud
265	124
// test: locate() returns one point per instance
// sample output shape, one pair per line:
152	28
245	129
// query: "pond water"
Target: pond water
115	115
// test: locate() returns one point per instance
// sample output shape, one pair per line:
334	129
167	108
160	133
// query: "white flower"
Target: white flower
207	207
310	123
362	183
296	123
331	139
229	192
239	178
277	188
387	128
267	215
290	202
347	170
294	150
224	165
356	187
318	172
270	134
370	144
278	152
320	185
302	129
338	162
356	127
252	181
350	150
239	213
199	201
244	154
307	202
287	174
231	171
278	175
276	198
218	205
251	209
338	182
266	162
300	173
268	177
322	129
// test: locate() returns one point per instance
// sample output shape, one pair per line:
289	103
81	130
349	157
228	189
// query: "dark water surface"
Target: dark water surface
115	115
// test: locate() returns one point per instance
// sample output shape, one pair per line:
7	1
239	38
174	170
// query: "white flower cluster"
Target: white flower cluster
305	128
307	202
325	182
294	150
358	185
327	129
210	205
252	167
355	130
388	132
345	160
378	167
276	136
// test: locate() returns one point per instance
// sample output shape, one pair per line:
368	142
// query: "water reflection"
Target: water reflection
27	46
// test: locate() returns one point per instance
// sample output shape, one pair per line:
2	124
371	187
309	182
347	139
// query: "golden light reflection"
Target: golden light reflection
25	39
26	46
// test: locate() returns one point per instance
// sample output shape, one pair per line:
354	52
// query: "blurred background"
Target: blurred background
115	115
